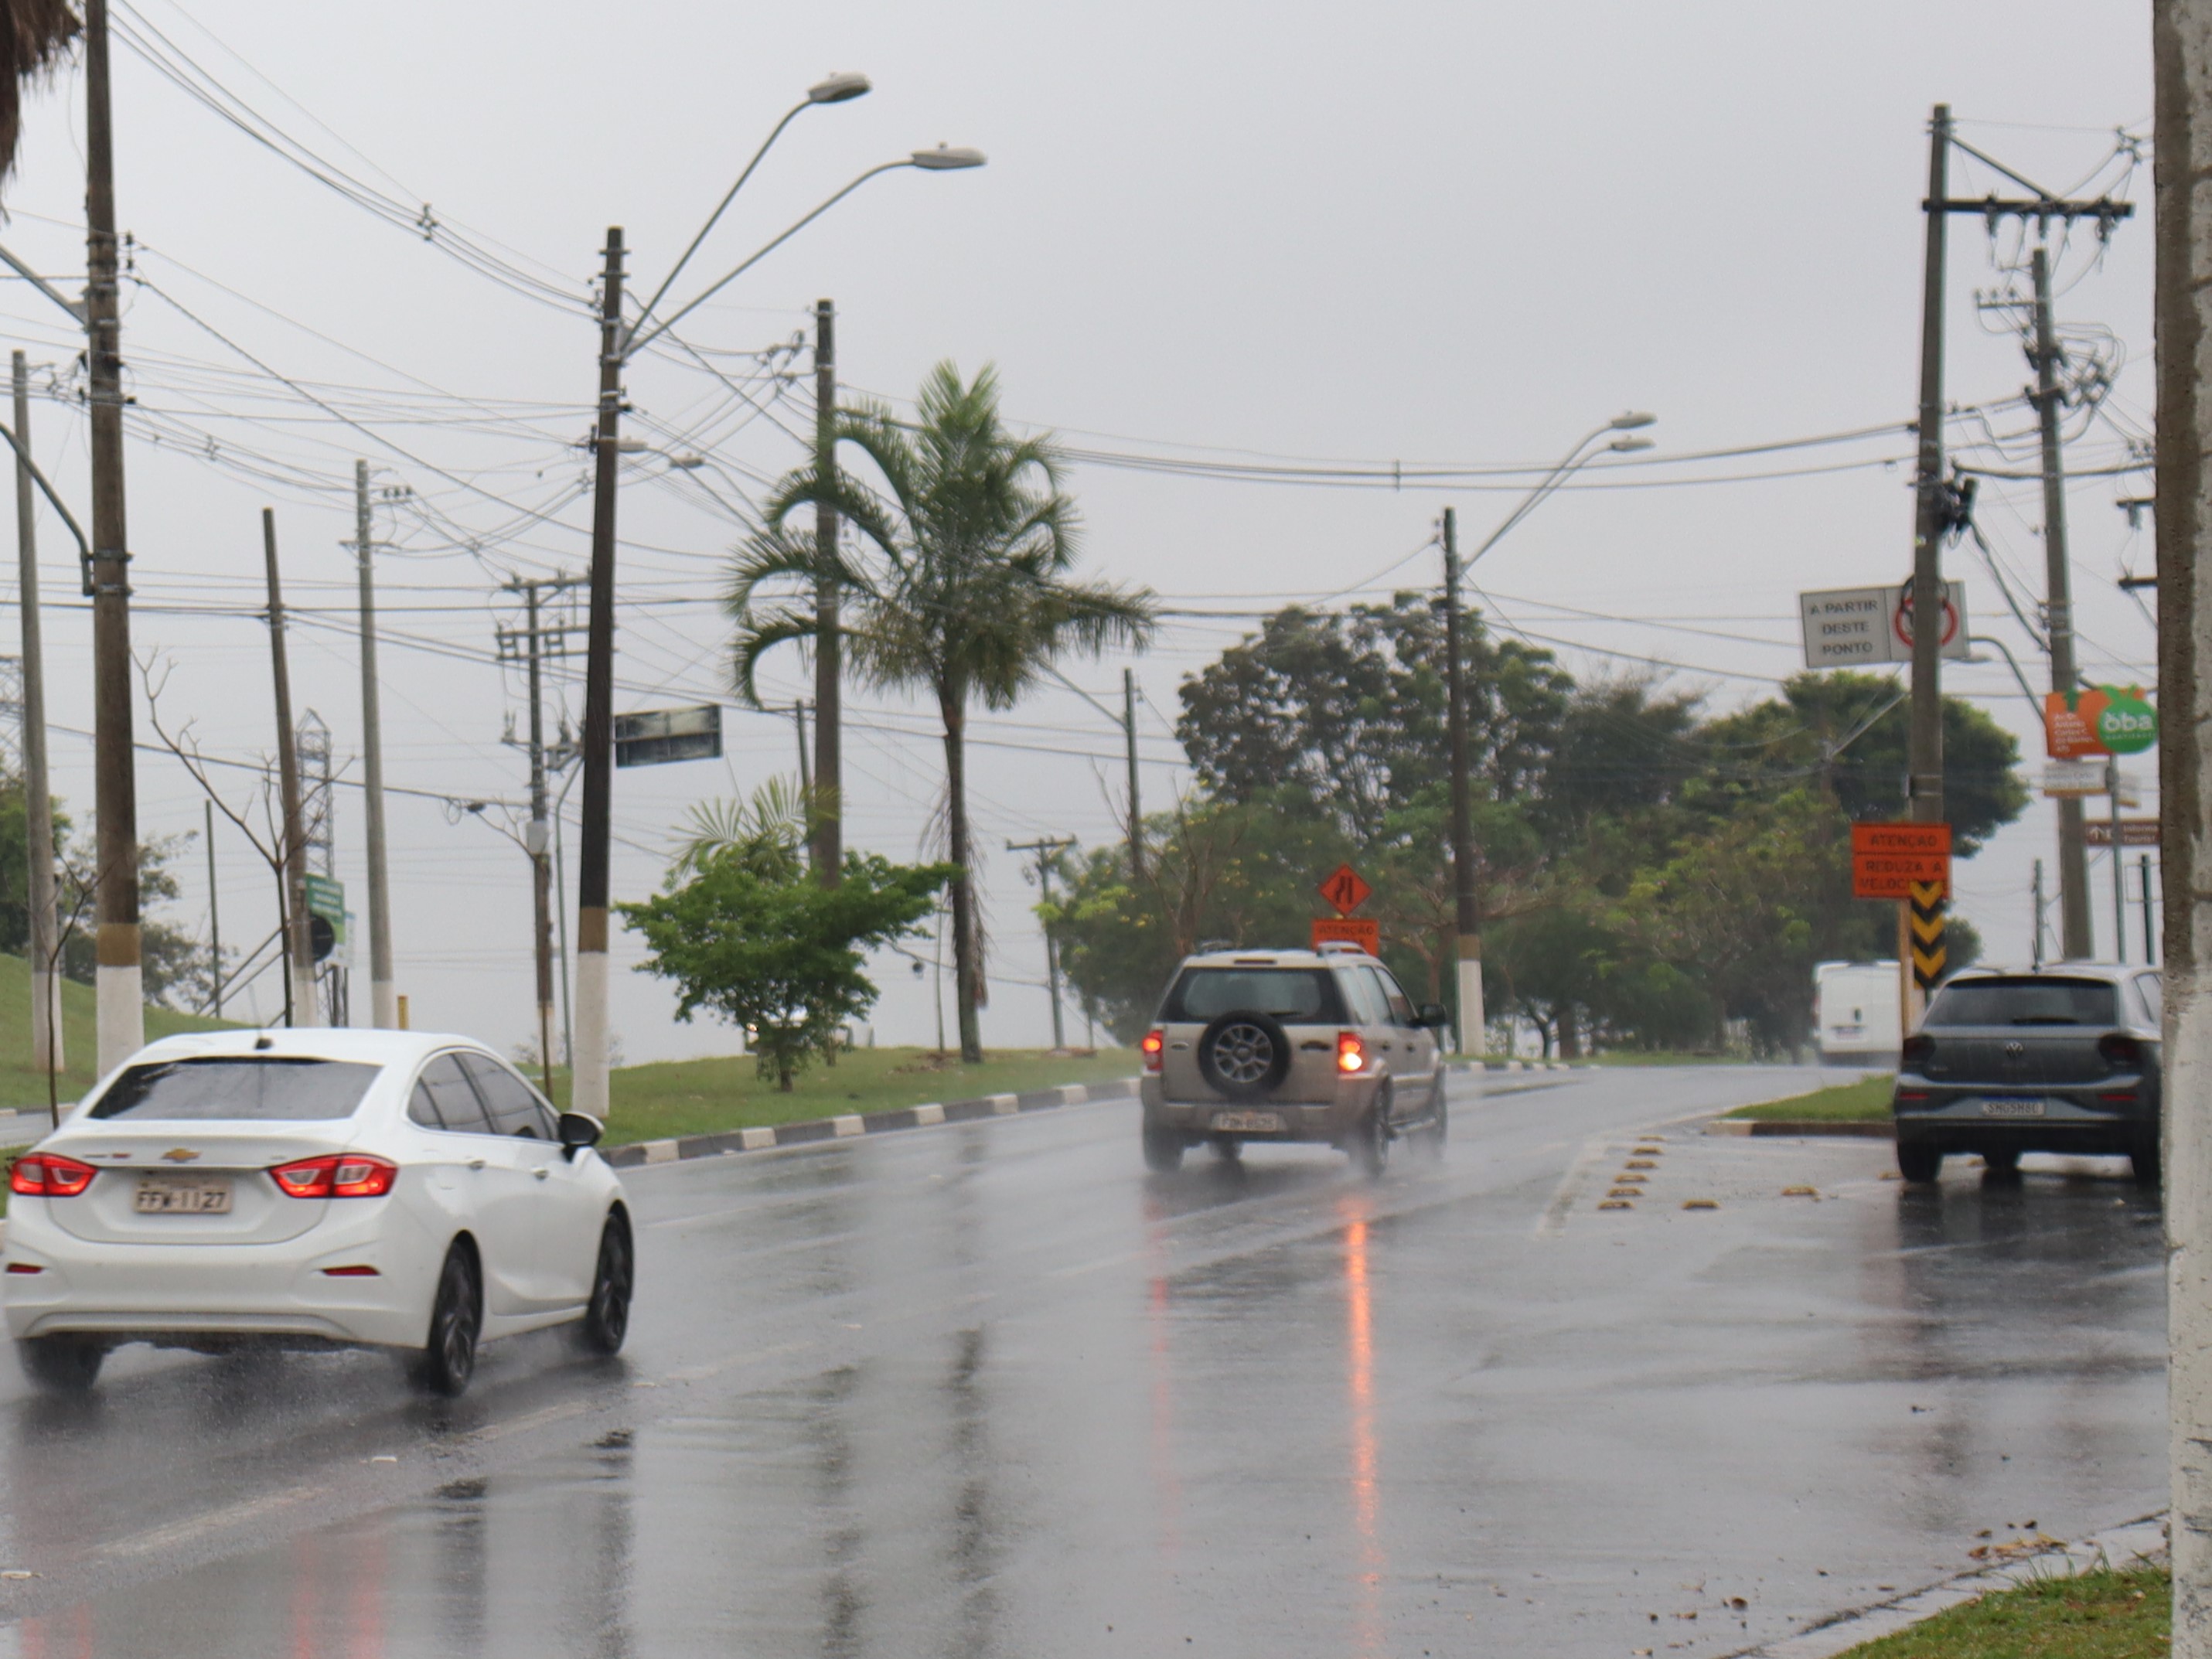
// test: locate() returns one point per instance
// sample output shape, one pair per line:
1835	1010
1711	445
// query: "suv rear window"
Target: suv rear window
1302	996
2038	1001
285	1089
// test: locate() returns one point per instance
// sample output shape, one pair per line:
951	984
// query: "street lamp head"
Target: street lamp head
948	158
838	88
1628	445
1631	420
687	462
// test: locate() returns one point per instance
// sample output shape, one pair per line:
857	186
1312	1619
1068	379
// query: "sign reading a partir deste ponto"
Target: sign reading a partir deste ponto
1847	627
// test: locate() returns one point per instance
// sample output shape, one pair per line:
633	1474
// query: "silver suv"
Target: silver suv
1291	1045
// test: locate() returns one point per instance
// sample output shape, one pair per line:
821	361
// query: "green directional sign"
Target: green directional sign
326	915
2127	724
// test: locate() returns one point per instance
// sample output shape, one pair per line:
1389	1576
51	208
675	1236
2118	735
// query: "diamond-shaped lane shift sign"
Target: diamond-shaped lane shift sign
1344	891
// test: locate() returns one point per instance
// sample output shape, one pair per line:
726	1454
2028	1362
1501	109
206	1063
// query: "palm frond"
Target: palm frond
34	37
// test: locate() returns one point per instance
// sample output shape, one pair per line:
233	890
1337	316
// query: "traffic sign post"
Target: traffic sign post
1925	907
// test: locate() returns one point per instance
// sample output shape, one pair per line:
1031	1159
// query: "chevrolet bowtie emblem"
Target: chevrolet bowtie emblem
180	1155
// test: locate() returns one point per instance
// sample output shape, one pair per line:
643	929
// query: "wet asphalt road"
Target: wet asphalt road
992	1389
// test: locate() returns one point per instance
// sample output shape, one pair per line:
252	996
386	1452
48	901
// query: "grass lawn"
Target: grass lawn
1867	1101
697	1096
2099	1615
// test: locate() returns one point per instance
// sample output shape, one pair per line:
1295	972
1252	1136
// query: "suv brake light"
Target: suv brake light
339	1174
1351	1052
1154	1045
49	1174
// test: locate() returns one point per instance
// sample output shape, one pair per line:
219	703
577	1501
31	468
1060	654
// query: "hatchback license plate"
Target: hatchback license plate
1249	1122
2012	1108
157	1197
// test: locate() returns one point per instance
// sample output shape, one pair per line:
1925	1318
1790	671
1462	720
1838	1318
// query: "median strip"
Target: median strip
851	1125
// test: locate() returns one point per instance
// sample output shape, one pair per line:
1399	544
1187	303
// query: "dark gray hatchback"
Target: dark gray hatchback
2063	1060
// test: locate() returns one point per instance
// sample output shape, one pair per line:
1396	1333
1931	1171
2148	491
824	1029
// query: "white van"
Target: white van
1855	1012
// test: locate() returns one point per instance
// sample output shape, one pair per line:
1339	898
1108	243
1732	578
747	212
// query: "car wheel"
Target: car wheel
1370	1146
2004	1160
61	1364
448	1358
1243	1055
606	1317
1163	1149
1917	1162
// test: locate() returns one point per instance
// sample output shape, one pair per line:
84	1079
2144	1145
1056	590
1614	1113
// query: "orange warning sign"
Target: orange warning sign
1364	931
1888	859
1344	891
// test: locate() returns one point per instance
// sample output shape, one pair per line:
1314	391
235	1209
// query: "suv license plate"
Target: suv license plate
158	1197
1249	1122
2012	1108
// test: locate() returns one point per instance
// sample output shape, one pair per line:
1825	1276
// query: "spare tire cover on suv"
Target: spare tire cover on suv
1243	1055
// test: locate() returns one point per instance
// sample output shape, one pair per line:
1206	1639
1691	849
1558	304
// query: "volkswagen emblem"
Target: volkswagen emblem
179	1155
2013	1051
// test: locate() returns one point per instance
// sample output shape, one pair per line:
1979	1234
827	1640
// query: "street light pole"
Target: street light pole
1467	914
617	345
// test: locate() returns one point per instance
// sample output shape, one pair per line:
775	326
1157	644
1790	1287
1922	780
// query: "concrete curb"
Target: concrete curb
763	1138
1873	1129
2126	1545
1465	1067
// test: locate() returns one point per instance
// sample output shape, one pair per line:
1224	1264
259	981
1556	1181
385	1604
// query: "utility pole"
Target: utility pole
532	645
2150	924
118	980
1045	850
37	799
1924	766
1467	917
300	977
2119	865
806	764
828	644
2076	936
1129	736
588	1080
215	920
383	1010
2181	49
2035	897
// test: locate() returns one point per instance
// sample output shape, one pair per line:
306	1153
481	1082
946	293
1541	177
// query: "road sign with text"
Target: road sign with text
1887	859
1849	627
1364	931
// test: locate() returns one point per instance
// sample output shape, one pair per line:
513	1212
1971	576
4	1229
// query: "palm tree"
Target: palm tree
958	586
34	36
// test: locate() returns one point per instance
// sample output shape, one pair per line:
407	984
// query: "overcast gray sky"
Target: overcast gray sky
1413	233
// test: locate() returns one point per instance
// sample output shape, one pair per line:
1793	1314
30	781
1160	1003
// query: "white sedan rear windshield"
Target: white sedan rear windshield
280	1088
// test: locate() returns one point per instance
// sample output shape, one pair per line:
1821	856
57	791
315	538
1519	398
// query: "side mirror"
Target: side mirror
578	1130
1433	1015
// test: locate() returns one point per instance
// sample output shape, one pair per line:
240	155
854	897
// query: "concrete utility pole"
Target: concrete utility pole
530	644
1467	917
1045	850
1136	811
828	643
382	1009
46	1045
299	978
2076	938
2035	897
117	977
1924	766
2181	45
2149	915
589	1083
805	761
215	919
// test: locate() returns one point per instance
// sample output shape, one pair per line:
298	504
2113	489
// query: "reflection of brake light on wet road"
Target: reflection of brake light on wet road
1360	1354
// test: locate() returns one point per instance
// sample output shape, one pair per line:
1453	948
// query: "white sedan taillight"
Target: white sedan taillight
49	1174
337	1175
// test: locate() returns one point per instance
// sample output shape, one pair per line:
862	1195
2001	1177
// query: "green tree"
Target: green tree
961	587
744	933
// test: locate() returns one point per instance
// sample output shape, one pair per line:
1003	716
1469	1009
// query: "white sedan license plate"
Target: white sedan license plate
159	1197
1249	1122
2012	1108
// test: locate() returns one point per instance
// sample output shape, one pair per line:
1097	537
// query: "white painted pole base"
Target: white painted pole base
1471	1023
46	1017
587	1089
120	1002
383	1005
306	1001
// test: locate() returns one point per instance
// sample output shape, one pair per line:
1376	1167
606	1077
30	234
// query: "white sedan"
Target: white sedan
312	1188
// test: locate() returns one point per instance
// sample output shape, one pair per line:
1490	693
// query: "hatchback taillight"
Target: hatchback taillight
49	1174
339	1174
2121	1051
1919	1049
1351	1052
1155	1046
